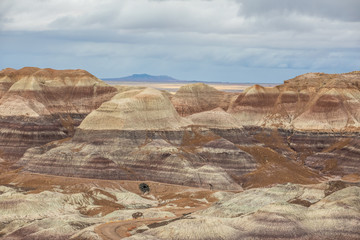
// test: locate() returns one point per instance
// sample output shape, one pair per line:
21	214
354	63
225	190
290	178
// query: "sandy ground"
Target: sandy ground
179	200
173	87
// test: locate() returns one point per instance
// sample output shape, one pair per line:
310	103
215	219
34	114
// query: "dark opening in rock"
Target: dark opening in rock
144	187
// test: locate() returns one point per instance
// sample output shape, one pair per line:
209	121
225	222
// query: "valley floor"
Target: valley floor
37	206
173	87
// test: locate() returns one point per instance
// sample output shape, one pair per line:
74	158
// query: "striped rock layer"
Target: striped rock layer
310	102
138	135
38	106
256	140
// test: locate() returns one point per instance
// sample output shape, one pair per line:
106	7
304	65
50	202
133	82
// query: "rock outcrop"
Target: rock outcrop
253	105
340	158
38	106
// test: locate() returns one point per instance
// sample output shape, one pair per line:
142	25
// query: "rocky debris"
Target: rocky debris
137	215
38	106
270	213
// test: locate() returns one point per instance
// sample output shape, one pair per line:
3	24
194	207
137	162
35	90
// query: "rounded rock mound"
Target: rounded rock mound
145	109
199	97
216	118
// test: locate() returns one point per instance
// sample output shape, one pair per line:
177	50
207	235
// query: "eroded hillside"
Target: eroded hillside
38	106
283	145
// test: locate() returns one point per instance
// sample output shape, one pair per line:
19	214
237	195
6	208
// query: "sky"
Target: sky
255	41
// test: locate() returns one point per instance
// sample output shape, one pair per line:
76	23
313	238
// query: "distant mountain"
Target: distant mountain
167	79
144	78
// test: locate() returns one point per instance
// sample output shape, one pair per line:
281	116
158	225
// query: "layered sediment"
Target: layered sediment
258	141
145	109
305	131
38	106
310	102
199	97
138	135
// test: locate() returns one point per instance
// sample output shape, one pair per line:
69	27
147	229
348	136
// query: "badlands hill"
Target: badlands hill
138	135
144	109
306	127
238	141
314	101
266	156
41	105
199	97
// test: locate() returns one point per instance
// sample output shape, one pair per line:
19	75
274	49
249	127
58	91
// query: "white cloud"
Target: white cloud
344	10
311	35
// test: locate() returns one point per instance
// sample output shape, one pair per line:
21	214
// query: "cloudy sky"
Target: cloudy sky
218	40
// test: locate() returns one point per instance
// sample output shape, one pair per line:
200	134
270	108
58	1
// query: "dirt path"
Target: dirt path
121	229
